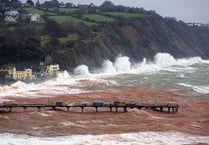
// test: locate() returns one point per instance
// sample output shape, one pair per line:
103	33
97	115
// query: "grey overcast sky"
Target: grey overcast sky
186	10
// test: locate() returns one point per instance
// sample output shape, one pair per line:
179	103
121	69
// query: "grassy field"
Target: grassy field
124	15
98	18
66	10
38	11
65	19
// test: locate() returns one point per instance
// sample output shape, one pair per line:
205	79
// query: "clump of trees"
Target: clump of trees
25	45
50	4
30	3
54	29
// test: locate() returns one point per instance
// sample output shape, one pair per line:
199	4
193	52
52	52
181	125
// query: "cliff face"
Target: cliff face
139	38
135	37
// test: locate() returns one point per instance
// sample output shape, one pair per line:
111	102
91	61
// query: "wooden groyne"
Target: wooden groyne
169	108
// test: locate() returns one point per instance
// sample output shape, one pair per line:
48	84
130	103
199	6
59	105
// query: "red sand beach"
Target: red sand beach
192	118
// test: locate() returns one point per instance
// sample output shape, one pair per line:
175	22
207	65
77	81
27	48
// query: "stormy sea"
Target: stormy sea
187	75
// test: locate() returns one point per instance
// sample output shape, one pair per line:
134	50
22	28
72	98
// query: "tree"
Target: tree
54	41
15	4
91	5
51	4
37	3
69	5
32	49
5	1
30	3
108	6
62	4
54	29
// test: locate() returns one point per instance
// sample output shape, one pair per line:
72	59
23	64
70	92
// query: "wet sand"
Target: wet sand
192	118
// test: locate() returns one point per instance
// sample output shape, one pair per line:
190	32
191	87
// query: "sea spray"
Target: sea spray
108	67
81	70
161	61
122	64
62	84
166	62
164	59
63	75
144	61
16	85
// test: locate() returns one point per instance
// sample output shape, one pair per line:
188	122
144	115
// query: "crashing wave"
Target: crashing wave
199	89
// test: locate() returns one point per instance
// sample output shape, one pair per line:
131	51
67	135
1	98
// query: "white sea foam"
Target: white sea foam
122	64
63	75
62	84
162	61
108	67
165	61
200	89
141	138
16	85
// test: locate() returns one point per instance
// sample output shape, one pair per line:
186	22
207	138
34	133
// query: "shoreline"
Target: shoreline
157	138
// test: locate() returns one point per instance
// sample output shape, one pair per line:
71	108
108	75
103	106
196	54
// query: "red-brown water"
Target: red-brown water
192	118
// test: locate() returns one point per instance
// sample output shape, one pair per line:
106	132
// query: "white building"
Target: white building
34	17
52	69
11	16
10	19
13	74
12	13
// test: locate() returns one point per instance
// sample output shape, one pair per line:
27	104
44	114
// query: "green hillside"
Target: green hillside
97	18
33	10
77	15
66	10
70	19
125	14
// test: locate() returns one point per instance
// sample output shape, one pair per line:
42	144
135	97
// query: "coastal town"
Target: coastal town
12	73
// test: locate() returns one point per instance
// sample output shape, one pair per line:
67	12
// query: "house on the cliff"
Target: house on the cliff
11	16
35	17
